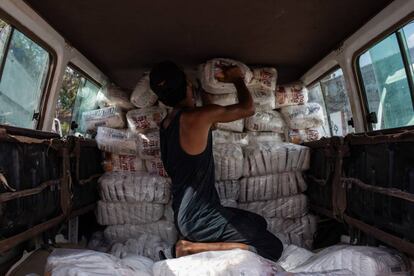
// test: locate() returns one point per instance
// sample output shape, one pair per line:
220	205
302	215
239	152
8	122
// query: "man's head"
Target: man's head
169	82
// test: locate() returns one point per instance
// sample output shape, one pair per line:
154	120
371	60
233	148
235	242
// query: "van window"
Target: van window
77	94
386	71
330	92
23	72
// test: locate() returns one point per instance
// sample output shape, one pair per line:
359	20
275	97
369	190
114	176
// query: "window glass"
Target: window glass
22	80
408	34
337	103
77	94
316	96
386	84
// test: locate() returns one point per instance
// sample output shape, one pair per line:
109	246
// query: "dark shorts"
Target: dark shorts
251	229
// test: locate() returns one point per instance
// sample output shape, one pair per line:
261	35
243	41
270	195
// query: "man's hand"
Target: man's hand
229	74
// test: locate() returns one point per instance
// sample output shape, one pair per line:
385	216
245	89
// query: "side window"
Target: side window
330	92
77	94
23	73
386	71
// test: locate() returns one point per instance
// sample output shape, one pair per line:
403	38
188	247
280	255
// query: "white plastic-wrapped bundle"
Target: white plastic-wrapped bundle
149	145
145	119
156	167
291	94
80	262
112	117
123	163
169	212
113	213
305	116
134	187
293	256
272	186
112	95
98	242
360	260
266	121
236	126
270	158
285	207
265	78
257	137
229	203
227	137
146	245
298	231
228	160
235	262
263	99
228	189
143	96
120	233
212	67
118	141
299	136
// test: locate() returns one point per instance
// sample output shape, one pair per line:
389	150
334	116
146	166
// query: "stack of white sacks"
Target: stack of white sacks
304	120
135	190
255	169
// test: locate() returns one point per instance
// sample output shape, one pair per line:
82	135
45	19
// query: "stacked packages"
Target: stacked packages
135	190
304	120
255	169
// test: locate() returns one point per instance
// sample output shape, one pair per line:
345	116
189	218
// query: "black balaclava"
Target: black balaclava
168	81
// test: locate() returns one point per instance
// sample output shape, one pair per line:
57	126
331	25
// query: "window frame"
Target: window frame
358	74
53	57
318	80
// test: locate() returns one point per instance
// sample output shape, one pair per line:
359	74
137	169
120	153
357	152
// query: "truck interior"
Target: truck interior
356	59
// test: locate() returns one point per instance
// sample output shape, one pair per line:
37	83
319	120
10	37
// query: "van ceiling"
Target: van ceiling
123	38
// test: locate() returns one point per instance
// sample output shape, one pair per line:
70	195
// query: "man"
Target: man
186	151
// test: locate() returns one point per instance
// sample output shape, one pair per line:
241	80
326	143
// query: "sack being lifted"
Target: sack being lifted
212	67
143	96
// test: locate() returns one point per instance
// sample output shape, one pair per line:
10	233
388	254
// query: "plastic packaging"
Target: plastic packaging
169	212
149	145
134	187
285	207
228	189
118	141
305	116
146	245
156	167
113	213
270	158
299	136
293	256
236	126
263	98
213	66
112	95
265	121
257	137
360	260
298	231
112	117
227	137
145	119
261	188
143	96
291	94
79	262
123	163
98	242
264	78
120	233
228	160
224	99
235	262
229	203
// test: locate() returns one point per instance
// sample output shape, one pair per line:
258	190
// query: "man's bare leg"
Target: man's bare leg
184	248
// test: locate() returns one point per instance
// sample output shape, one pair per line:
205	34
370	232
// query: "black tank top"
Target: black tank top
198	214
